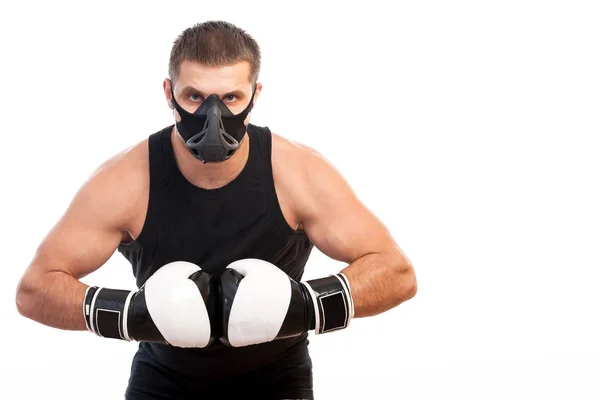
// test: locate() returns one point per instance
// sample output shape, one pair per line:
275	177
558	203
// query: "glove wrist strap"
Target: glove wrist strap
332	301
105	312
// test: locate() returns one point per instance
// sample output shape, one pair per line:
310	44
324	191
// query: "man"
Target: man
218	218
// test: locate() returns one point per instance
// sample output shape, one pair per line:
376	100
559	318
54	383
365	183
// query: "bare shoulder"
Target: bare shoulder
306	175
296	158
127	171
302	162
290	164
117	188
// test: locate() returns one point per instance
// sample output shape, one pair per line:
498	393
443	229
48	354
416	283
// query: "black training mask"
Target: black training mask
212	133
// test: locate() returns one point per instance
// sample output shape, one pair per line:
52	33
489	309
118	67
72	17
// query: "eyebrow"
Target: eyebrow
189	89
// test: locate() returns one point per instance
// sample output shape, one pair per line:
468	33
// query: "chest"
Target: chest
217	213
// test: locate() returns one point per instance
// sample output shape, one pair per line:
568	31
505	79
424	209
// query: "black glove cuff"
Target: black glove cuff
105	312
87	301
333	304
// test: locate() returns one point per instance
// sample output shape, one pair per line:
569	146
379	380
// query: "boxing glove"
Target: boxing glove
261	303
175	306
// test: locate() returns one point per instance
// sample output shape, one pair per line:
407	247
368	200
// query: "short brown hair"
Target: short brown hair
216	44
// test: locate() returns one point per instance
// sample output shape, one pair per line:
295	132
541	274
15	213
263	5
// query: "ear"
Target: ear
169	95
168	92
259	87
255	99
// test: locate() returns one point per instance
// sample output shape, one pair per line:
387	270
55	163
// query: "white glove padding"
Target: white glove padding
176	305
172	307
261	303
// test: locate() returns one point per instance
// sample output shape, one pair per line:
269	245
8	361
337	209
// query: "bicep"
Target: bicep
337	221
347	232
86	235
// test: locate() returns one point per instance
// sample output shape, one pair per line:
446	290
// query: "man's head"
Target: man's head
212	58
215	44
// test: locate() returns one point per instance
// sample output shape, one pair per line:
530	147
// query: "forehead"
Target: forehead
210	79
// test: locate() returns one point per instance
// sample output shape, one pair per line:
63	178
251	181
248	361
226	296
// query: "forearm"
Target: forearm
54	299
379	282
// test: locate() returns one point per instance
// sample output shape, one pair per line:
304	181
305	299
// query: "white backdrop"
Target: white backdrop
469	127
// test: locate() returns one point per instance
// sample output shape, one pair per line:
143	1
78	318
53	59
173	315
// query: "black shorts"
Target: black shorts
289	378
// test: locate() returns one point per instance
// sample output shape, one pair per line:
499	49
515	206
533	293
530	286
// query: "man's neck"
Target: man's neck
209	175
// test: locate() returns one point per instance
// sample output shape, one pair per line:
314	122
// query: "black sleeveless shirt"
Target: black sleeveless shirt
212	228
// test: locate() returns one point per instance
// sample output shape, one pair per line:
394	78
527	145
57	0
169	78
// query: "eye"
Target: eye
195	97
230	98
